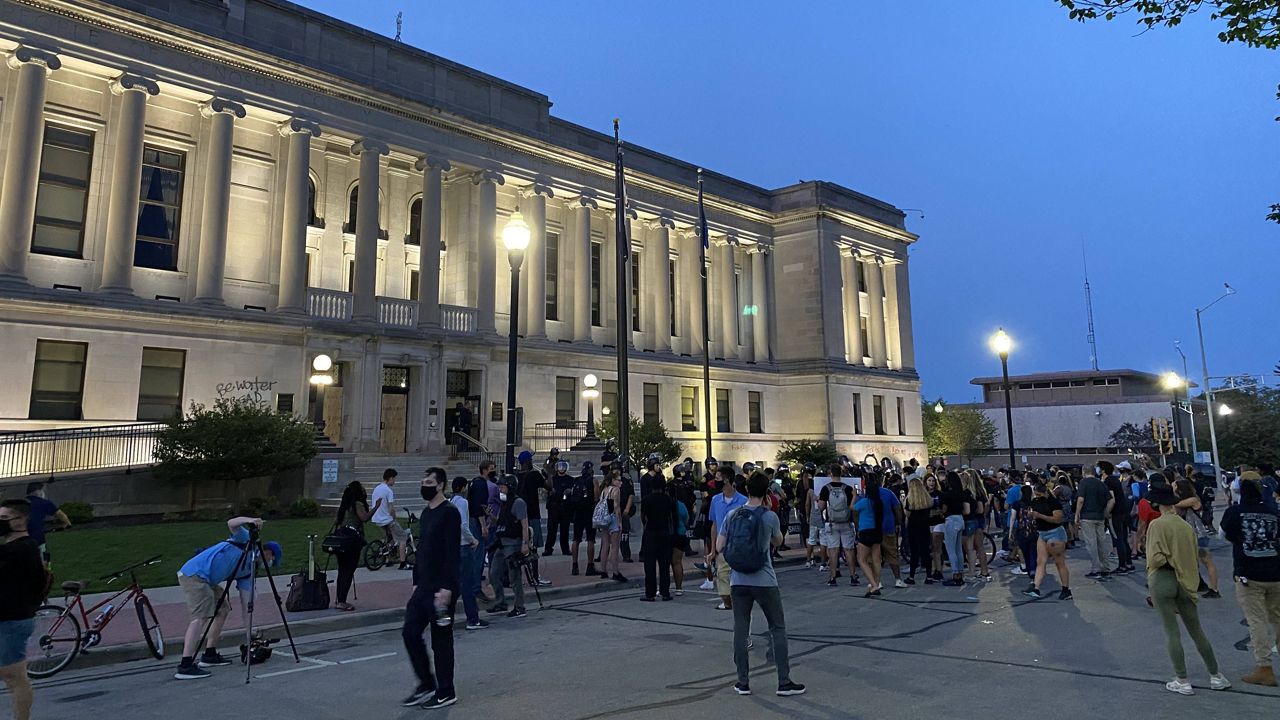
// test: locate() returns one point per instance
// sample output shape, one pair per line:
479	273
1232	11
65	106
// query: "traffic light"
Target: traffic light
1160	432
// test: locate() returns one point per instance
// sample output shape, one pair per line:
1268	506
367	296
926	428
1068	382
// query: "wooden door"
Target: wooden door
395	415
333	414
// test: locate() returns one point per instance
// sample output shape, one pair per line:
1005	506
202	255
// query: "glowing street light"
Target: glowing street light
1172	382
1001	344
938	408
590	393
1225	410
515	236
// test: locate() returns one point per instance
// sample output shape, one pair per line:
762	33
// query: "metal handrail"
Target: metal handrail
484	448
25	453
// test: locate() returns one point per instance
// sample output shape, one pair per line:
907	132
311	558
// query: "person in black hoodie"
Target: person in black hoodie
1254	532
658	513
582	501
435	593
559	510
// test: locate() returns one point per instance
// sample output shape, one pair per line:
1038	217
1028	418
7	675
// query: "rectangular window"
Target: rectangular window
413	284
635	291
160	383
739	330
159	209
671	298
284	403
351	276
608	396
877	413
723	419
688	408
553	276
754	422
57	381
866	335
63	192
595	284
862	275
566	401
902	418
857	413
651	413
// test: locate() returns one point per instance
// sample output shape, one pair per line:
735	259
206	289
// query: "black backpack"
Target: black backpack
309	589
746	547
582	491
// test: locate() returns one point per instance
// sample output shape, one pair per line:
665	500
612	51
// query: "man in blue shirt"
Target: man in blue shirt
41	510
721	505
200	579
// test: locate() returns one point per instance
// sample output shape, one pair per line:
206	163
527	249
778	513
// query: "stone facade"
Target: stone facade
262	184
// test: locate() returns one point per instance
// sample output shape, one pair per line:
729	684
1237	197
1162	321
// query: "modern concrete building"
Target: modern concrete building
201	196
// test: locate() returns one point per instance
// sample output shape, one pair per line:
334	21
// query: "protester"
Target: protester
582	501
41	511
23	572
919	507
384	515
975	532
721	506
753	529
532	482
610	545
1093	509
1188	508
660	517
468	548
1118	523
956	504
509	544
811	519
937	527
353	513
435	591
870	523
838	535
1254	532
894	518
1051	542
559	507
1172	578
679	540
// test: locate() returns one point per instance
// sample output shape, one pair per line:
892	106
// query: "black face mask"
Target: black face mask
5	527
429	492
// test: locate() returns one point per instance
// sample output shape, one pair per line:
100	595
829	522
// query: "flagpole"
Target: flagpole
623	297
704	239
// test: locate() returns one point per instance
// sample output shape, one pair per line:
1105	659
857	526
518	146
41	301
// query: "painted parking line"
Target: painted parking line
316	664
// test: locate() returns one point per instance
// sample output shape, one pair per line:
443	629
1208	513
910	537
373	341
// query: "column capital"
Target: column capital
849	252
298	125
666	220
130	81
492	176
365	145
433	162
540	186
588	199
27	55
215	105
758	249
631	212
719	240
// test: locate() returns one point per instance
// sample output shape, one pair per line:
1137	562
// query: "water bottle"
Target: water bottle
443	618
102	615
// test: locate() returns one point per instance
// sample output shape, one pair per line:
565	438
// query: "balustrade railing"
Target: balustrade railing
458	319
328	304
45	453
398	313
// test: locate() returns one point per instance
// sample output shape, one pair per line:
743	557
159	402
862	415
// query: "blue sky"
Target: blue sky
1020	134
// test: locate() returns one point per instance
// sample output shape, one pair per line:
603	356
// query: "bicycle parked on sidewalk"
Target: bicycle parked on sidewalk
59	636
382	552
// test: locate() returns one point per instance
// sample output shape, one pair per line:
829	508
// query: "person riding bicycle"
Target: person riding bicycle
200	579
384	515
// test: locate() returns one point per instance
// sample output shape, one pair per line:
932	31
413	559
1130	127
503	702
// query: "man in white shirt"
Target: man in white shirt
384	513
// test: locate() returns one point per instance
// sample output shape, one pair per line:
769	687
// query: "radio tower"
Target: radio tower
1088	305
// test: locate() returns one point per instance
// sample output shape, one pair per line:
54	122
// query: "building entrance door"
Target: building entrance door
395	409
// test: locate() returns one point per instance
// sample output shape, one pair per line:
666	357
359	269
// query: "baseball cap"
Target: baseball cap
276	551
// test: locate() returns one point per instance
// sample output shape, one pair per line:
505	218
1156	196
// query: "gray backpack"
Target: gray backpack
838	510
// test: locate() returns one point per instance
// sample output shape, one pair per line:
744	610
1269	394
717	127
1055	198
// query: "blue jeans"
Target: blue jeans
469	582
477	557
954	528
1028	547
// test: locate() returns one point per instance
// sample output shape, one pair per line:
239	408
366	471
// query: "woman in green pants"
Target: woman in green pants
1172	577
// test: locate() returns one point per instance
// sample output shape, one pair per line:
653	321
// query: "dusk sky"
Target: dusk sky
1022	135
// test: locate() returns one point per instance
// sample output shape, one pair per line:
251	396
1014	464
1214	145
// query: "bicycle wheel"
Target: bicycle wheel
150	625
54	643
991	547
375	555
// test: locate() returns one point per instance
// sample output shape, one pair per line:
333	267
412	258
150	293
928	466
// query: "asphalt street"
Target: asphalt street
983	651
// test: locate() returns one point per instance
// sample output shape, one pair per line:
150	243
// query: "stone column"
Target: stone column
728	308
533	321
364	302
22	164
211	268
662	285
893	339
694	269
293	237
852	311
487	246
582	267
760	302
433	169
875	311
907	346
125	183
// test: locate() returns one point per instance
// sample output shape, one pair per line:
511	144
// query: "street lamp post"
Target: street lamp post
1191	408
320	379
590	394
1172	382
1001	344
1208	391
515	236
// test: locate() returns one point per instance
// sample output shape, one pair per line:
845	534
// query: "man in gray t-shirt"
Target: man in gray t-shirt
1093	506
761	587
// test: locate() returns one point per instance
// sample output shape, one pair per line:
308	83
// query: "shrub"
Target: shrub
78	513
210	514
798	452
260	506
304	508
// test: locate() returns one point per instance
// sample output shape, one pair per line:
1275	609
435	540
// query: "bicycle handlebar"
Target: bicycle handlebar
135	566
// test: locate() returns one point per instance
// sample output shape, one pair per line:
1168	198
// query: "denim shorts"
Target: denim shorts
13	640
1058	534
971	527
1203	542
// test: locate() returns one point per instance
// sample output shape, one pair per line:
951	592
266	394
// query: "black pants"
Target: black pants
657	551
625	545
558	518
920	542
347	562
1120	539
419	615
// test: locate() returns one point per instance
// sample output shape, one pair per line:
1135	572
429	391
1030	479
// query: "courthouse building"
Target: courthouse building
201	196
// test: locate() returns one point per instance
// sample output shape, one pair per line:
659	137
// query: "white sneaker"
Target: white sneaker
1182	687
1219	682
899	584
808	564
1018	571
824	567
707	585
722	606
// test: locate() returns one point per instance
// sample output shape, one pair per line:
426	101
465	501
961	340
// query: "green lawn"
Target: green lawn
90	553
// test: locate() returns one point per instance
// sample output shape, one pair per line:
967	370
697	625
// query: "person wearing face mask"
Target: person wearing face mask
510	536
435	596
23	572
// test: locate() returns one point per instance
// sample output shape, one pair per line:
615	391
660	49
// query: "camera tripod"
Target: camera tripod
252	554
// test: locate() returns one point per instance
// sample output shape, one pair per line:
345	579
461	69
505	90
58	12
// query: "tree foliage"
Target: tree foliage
1132	436
957	431
1251	433
234	440
645	439
798	452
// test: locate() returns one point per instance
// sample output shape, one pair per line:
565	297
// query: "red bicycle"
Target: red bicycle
58	637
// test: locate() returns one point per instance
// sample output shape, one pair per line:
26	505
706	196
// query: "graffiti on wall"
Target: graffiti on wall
252	389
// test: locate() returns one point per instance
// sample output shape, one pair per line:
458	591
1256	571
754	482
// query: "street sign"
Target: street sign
329	471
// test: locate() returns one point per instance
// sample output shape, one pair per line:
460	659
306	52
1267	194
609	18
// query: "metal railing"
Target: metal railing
458	319
563	435
397	312
45	453
465	447
328	304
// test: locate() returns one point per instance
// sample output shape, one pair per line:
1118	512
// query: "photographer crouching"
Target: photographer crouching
200	579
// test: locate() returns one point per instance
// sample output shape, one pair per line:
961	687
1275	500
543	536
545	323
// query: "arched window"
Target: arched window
415	223
311	203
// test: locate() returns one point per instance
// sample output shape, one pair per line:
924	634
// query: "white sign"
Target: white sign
329	473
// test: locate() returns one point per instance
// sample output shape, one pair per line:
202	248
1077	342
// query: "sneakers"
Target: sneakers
191	672
499	608
1212	594
211	658
928	580
808	564
1093	575
440	701
984	578
909	581
1261	675
831	582
591	569
722	606
707	585
900	583
477	625
742	688
618	577
1065	594
544	583
952	583
790	688
574	571
701	566
1182	687
1033	593
418	696
1018	571
517	612
1219	682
